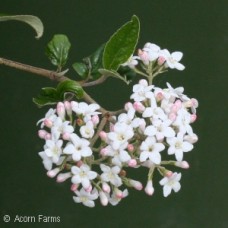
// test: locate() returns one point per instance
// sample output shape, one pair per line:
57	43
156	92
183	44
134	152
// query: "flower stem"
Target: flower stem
100	128
150	72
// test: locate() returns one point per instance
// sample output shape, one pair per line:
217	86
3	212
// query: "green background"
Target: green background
197	28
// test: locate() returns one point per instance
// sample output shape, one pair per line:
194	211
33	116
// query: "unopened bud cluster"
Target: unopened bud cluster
96	152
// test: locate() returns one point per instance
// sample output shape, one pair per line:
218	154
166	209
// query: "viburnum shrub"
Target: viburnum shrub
93	148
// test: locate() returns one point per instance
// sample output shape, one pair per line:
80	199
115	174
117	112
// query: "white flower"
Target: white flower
86	198
131	62
183	121
142	91
115	199
87	111
128	117
178	146
154	111
87	130
78	148
121	133
150	149
61	127
82	175
153	51
53	149
150	130
47	161
170	183
176	93
50	115
119	156
111	175
163	129
172	60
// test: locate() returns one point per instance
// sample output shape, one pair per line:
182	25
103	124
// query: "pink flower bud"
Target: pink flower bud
136	185
79	163
60	109
193	138
159	96
104	151
68	108
143	82
168	173
128	106
149	189
132	163
178	103
172	116
42	134
48	123
66	136
106	187
182	164
139	107
103	135
195	103
161	60
47	136
130	147
74	187
52	173
89	189
193	118
143	55
95	120
174	108
103	198
118	193
63	176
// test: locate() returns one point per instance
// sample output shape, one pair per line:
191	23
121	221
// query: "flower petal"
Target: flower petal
176	187
89	203
166	190
143	156
177	55
69	149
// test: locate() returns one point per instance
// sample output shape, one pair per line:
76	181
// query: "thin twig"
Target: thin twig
96	82
100	128
58	76
35	70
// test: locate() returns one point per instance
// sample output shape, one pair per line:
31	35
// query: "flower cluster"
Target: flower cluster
96	150
152	52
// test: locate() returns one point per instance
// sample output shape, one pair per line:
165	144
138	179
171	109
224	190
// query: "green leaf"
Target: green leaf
47	96
121	45
69	86
96	62
50	95
81	69
115	74
91	65
33	21
58	49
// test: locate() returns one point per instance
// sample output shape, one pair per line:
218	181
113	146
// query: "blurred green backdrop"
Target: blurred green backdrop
197	28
